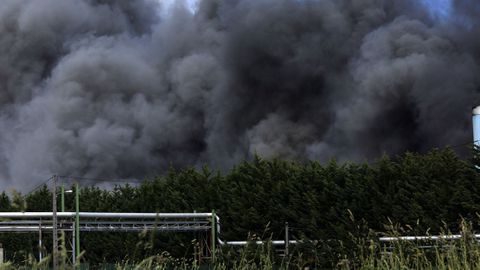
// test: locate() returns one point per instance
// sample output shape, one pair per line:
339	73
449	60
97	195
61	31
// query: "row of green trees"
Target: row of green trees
329	202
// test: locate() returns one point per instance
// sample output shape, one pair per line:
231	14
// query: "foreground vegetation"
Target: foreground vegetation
445	254
334	203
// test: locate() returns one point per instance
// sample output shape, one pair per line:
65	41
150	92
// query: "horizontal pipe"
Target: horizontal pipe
24	228
244	243
423	238
107	223
103	215
104	228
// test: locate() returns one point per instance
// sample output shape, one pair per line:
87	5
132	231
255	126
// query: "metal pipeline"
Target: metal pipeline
244	243
108	215
424	238
103	215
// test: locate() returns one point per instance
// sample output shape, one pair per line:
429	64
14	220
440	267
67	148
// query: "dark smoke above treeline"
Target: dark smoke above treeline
105	88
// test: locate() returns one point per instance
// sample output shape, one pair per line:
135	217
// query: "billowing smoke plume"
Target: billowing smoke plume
120	88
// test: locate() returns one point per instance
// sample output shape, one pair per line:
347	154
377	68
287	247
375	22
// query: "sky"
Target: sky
440	9
190	3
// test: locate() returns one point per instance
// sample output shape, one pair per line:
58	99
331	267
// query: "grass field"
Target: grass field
463	253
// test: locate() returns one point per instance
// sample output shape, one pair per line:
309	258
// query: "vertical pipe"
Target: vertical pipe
62	200
62	209
287	240
476	126
74	251
77	220
214	237
54	223
40	255
196	255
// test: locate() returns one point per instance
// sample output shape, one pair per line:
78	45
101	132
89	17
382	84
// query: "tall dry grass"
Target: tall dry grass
446	254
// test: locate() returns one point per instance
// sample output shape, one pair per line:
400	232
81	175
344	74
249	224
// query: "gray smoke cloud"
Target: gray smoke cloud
120	88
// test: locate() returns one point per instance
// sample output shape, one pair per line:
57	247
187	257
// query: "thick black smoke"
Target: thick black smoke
119	88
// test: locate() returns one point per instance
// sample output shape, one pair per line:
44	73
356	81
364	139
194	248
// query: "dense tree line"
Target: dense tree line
330	202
